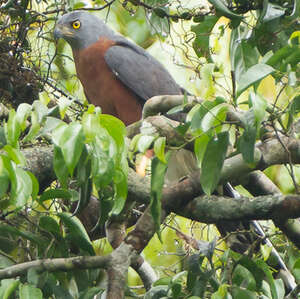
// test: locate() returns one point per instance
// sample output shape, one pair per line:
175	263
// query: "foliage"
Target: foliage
90	148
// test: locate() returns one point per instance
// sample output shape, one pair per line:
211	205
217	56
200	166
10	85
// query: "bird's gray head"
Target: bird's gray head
81	29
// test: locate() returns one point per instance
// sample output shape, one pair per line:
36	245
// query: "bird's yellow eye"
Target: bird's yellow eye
76	24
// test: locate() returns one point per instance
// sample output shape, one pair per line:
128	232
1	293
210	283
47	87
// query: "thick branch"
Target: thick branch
212	209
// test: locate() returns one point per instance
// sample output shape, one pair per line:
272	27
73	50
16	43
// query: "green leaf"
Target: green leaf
55	193
71	141
60	167
15	155
7	229
2	137
203	31
242	277
90	293
200	147
23	111
259	105
253	75
159	148
76	232
246	143
34	128
103	165
279	285
224	10
214	118
27	291
144	142
12	129
251	266
272	11
41	110
294	108
50	225
21	188
35	185
120	186
9	287
213	162
268	273
51	123
296	269
243	55
283	57
238	293
158	170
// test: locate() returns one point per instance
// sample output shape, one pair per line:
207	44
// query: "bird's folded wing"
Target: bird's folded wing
139	71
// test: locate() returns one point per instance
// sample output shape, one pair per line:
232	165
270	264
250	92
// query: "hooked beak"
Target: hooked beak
61	31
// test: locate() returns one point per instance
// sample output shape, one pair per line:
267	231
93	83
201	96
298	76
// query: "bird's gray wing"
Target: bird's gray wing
139	71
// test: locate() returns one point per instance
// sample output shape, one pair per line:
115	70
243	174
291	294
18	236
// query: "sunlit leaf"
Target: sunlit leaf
9	287
159	148
158	170
144	142
70	139
12	129
253	75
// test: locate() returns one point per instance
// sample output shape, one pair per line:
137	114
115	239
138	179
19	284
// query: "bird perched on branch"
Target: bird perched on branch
116	74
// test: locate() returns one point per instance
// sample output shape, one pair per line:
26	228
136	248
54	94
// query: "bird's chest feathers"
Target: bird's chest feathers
92	69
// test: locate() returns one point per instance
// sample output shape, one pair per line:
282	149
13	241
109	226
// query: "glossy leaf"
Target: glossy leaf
159	148
158	170
246	142
243	277
272	11
90	293
203	31
120	186
49	224
35	185
23	111
55	193
224	10
200	147
27	291
76	233
9	287
212	162
243	55
70	139
253	75
15	155
34	128
259	105
238	292
268	273
60	167
214	118
12	129
144	142
4	178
